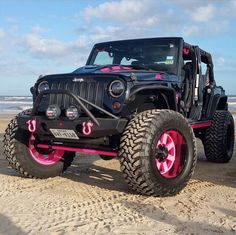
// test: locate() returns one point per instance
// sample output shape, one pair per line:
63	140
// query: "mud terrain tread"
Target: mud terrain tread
215	138
133	148
10	149
9	145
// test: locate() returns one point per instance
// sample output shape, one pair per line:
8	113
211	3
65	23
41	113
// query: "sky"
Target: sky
56	36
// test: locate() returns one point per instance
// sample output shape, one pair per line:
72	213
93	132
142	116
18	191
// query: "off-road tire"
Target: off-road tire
136	152
219	138
17	154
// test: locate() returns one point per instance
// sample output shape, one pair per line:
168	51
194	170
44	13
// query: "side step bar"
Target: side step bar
79	150
197	125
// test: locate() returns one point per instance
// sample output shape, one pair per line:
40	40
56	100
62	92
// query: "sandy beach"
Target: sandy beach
92	198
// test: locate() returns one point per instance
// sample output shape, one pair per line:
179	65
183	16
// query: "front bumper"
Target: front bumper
43	126
84	127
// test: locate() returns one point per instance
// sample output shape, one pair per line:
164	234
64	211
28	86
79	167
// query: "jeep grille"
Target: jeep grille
89	90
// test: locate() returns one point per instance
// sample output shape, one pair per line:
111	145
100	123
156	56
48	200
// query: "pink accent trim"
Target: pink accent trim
79	150
116	67
105	70
87	128
158	76
177	98
185	51
31	125
44	159
201	125
126	68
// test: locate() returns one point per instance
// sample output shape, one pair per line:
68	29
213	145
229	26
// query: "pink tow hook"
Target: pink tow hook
31	126
87	128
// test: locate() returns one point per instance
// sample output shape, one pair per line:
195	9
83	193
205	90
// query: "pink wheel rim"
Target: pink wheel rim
44	159
170	149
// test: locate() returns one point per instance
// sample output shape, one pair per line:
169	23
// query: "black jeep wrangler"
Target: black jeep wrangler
141	100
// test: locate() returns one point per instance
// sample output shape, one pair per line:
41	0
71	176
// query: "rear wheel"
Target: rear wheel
219	138
24	156
158	153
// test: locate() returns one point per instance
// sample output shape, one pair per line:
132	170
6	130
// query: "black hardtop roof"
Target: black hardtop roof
206	57
172	39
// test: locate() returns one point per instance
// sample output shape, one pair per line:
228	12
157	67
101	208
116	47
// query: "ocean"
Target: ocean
232	103
16	104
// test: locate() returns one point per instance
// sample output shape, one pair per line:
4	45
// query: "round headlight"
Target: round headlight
43	86
116	88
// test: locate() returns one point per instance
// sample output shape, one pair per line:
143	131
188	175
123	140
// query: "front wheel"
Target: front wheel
24	156
158	153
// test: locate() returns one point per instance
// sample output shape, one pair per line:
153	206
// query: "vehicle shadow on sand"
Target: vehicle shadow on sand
216	173
8	227
105	174
161	216
94	171
5	169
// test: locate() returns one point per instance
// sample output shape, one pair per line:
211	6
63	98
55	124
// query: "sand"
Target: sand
92	198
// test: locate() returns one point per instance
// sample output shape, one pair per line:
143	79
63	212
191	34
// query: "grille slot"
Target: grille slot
89	90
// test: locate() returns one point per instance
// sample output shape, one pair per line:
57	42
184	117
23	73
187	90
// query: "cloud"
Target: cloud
229	9
220	61
11	20
131	14
40	47
2	33
196	18
54	50
38	29
122	11
190	30
14	29
111	20
203	13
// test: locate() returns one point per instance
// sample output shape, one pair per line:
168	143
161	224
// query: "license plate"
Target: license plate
64	134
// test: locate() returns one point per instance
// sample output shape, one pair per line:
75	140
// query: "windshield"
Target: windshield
155	54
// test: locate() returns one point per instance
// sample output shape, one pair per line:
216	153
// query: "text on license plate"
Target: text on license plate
64	134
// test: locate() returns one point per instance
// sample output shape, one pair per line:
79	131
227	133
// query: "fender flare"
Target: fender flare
167	93
219	102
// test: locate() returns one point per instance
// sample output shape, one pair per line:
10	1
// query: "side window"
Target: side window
205	74
103	58
204	68
124	61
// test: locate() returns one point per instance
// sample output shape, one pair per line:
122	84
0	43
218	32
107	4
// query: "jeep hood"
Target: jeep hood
126	72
